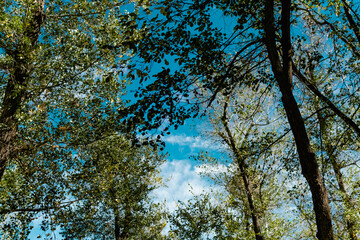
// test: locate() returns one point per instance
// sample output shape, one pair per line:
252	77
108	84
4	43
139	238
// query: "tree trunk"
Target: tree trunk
126	223
119	235
117	223
230	140
16	86
283	76
249	195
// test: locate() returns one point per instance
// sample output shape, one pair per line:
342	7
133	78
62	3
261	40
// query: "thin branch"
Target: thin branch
350	19
323	98
41	209
217	90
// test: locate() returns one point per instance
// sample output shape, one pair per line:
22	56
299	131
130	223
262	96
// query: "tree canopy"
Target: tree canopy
283	44
278	81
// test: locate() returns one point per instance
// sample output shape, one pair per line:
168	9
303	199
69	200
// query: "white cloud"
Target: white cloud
184	182
192	142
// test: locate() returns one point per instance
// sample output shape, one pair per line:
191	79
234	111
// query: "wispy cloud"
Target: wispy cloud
183	183
193	142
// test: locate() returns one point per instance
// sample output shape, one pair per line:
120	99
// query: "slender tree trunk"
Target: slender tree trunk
16	86
350	223
119	235
116	223
249	195
115	207
283	76
127	223
230	140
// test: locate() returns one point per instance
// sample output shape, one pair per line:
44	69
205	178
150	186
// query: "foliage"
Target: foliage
200	218
73	63
62	69
277	43
112	186
254	182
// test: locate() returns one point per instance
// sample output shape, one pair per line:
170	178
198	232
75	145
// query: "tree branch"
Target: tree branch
57	206
323	98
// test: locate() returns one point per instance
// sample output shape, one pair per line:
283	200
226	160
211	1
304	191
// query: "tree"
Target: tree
62	65
333	146
36	180
106	194
236	138
283	75
55	57
253	184
333	154
21	60
264	48
112	186
202	218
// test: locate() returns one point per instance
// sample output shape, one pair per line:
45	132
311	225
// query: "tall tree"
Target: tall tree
333	154
105	193
259	43
243	123
18	65
283	74
236	137
55	56
61	85
113	185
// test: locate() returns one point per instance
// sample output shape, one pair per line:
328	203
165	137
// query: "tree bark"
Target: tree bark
127	223
16	86
283	76
116	212
127	220
249	195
